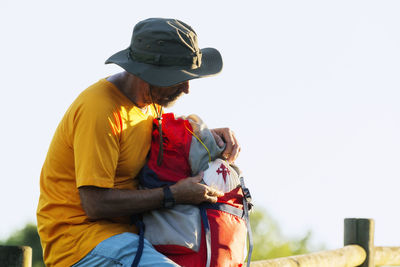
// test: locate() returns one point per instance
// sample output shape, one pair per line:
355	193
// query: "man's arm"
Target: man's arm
107	203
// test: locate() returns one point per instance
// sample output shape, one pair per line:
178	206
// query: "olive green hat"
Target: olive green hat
164	52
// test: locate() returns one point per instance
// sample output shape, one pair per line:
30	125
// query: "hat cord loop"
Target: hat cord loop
201	142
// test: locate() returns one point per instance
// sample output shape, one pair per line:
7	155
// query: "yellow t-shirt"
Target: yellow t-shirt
102	140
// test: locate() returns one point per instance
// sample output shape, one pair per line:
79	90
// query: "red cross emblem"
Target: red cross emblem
224	170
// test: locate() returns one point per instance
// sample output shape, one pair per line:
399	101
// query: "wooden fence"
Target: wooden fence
358	250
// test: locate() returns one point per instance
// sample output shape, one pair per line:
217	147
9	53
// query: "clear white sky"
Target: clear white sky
311	89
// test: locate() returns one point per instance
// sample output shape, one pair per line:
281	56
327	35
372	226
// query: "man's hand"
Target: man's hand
226	136
190	191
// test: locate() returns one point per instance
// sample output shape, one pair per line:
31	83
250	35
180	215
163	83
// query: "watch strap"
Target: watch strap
168	201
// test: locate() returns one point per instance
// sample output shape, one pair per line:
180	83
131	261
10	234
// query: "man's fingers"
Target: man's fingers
212	192
212	195
235	151
232	146
230	143
211	199
191	191
218	139
198	177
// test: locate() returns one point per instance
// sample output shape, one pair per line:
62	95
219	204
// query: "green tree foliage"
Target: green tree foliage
269	242
28	236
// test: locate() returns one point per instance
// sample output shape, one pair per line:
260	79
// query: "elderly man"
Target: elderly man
88	184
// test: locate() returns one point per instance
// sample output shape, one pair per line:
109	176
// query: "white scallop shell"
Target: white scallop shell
221	176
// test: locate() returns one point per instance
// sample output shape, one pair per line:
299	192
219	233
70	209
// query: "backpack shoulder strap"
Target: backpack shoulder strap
138	221
223	207
207	232
246	206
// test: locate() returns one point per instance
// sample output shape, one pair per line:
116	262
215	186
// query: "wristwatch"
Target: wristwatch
169	201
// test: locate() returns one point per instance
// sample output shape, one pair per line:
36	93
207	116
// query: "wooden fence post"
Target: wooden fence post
361	232
14	256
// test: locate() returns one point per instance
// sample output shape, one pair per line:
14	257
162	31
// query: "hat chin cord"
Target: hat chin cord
159	119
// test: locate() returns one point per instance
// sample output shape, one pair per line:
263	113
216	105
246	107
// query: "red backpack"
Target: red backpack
210	234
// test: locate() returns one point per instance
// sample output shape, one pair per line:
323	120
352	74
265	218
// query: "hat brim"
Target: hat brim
211	64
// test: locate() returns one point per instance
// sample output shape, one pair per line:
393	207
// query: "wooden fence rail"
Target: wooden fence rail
358	250
389	256
348	256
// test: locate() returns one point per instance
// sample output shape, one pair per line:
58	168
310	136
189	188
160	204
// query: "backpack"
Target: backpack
209	234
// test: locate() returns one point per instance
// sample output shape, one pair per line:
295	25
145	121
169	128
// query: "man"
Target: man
88	181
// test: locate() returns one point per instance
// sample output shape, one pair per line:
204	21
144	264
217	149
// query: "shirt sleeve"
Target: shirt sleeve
96	145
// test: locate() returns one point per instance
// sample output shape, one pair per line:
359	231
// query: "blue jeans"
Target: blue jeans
120	250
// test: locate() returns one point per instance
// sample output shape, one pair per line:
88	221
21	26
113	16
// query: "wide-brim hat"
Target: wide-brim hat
164	52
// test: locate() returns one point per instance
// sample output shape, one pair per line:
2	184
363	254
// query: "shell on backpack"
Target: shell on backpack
221	176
